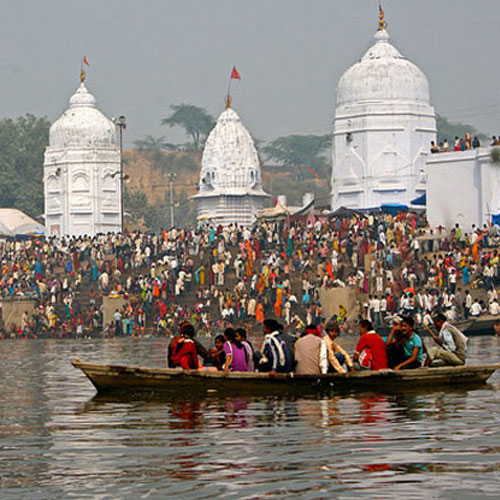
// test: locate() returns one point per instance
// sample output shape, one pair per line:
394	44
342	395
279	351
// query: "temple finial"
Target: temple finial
82	75
381	18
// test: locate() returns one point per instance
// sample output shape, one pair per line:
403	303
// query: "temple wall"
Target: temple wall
462	187
332	298
13	309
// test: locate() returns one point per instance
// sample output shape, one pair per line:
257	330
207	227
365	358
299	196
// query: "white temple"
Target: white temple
383	127
82	171
230	189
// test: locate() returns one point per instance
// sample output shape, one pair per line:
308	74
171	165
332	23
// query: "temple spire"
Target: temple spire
381	18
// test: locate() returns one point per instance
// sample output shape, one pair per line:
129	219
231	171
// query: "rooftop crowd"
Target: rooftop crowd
220	277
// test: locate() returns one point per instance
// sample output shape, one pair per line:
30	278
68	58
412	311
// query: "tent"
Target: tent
13	222
345	212
281	212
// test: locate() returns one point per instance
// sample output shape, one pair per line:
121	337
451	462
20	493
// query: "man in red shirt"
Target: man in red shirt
370	352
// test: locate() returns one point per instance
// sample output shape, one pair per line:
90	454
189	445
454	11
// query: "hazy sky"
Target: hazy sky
148	54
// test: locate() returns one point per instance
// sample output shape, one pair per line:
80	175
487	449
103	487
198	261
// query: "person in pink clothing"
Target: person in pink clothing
236	354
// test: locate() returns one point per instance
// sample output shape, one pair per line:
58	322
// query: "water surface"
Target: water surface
59	441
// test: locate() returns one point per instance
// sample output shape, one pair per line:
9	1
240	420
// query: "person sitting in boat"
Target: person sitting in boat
217	353
183	353
179	338
236	354
310	353
371	353
241	335
452	344
337	356
496	328
276	356
405	348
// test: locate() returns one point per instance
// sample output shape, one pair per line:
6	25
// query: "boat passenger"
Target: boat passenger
311	353
276	356
337	356
236	354
452	344
184	353
371	351
496	328
241	335
405	348
217	353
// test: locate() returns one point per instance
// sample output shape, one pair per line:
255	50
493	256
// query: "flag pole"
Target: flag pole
228	96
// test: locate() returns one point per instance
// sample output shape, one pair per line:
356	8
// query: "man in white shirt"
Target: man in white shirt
476	309
494	308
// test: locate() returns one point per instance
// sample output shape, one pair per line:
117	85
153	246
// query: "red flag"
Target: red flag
234	74
86	61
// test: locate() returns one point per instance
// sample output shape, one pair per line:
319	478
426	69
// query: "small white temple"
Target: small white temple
82	171
383	127
230	189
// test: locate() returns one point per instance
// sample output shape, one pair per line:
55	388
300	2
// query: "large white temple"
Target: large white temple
82	171
383	127
230	189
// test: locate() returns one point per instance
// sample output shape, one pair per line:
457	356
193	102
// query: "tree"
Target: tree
302	153
449	130
135	204
22	146
195	121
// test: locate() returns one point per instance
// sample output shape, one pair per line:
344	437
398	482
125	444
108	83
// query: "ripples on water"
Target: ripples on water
59	441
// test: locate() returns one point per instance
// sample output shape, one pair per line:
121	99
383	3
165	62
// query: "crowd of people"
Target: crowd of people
460	144
215	277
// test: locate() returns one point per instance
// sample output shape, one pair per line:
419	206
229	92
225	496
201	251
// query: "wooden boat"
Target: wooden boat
134	379
483	325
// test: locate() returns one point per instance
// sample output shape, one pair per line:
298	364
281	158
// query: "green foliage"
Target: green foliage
495	155
449	130
157	215
151	143
135	204
22	146
195	121
303	154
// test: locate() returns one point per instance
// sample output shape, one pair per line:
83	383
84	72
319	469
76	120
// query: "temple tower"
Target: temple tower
82	171
230	189
383	127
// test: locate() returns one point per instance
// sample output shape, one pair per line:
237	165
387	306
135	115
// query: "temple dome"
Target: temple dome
230	161
82	125
383	75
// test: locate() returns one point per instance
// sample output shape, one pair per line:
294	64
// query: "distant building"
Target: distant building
82	171
383	127
462	187
230	180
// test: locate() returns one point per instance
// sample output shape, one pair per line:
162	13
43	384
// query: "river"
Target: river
57	441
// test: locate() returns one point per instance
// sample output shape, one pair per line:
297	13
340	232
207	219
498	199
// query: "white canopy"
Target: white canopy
13	221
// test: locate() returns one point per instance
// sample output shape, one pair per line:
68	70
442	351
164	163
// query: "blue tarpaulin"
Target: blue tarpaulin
495	219
394	208
421	200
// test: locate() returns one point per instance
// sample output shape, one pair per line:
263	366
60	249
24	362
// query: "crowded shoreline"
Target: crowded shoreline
229	277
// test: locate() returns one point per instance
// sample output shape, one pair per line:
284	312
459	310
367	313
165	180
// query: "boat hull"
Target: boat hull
134	379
